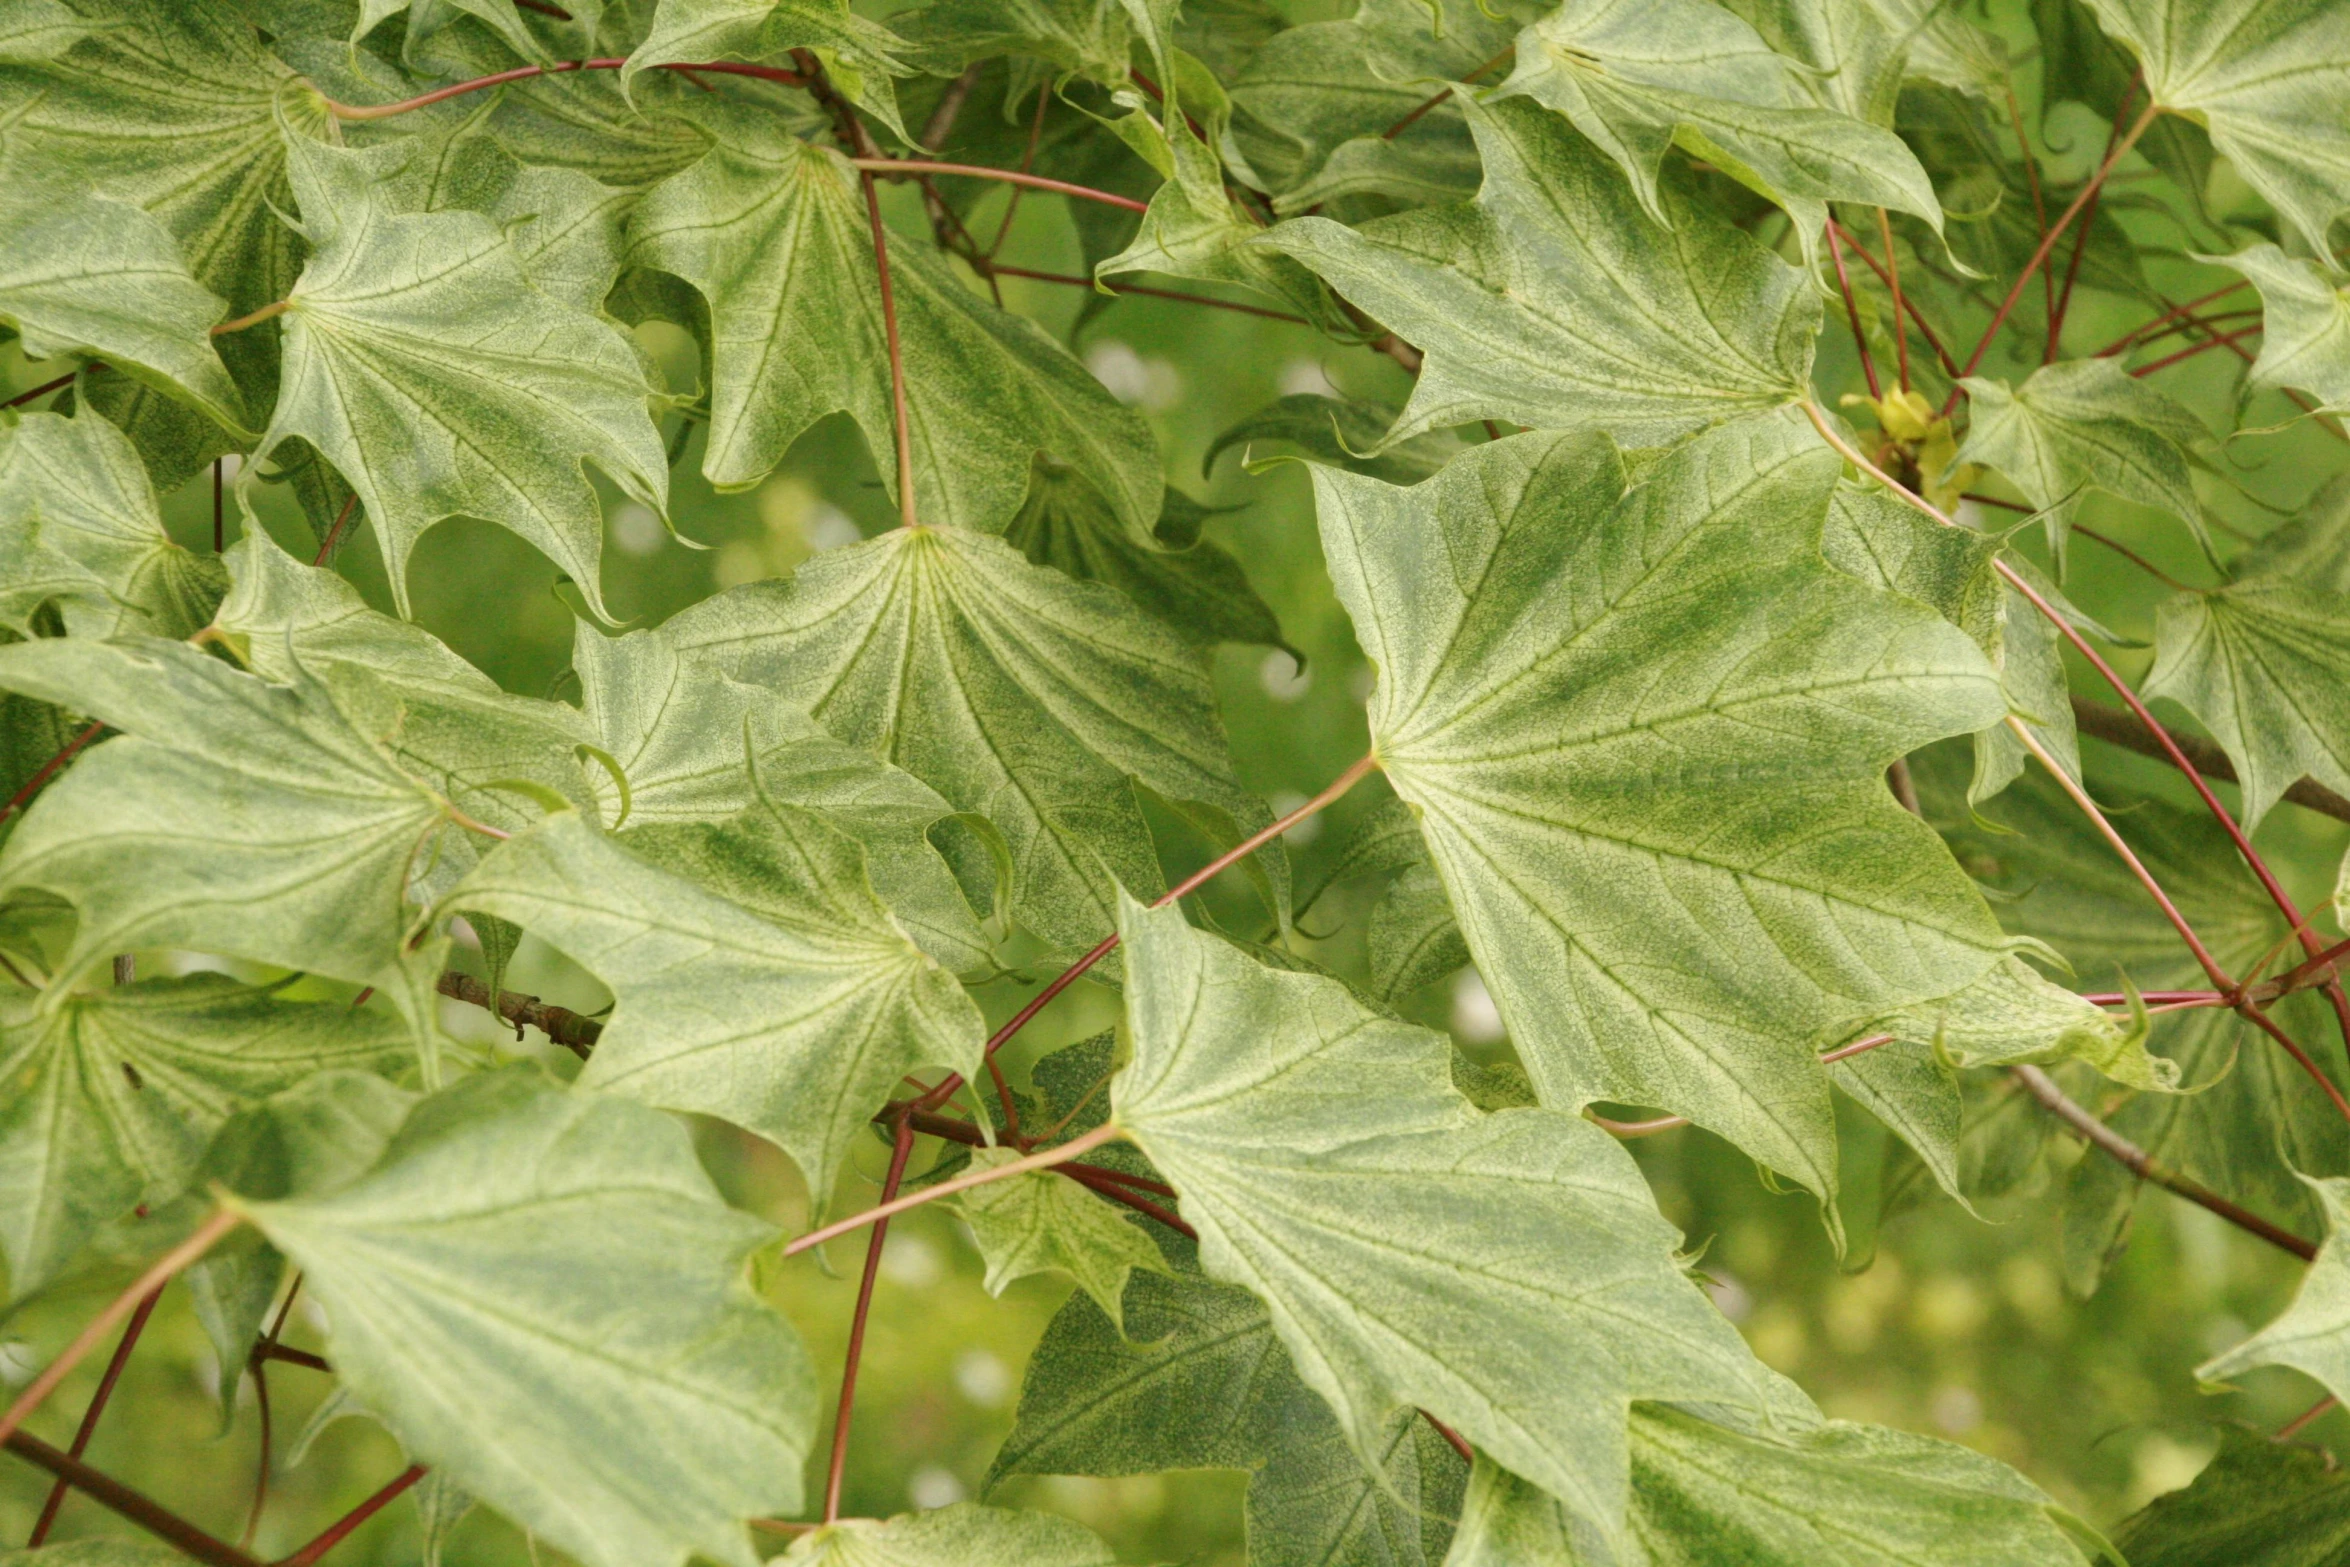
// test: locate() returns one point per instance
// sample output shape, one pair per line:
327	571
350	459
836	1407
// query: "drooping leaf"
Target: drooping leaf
268	822
79	526
688	741
773	232
1277	1104
2265	664
542	1295
82	273
1712	1490
1554	300
1337	430
2304	326
2085	424
113	1094
1199	1380
2012	1014
2312	1335
964	1535
2258	1504
1043	1223
1638	76
863	52
1194	586
1646	734
1013	691
497	421
758	977
2265	78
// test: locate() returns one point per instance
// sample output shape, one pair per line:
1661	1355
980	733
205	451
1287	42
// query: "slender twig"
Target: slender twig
571	1030
2116	727
2133	557
1860	338
2146	1167
2048	243
1044	1160
385	111
1152	293
950	106
1338	787
1044	97
2304	1420
2192	349
112	1494
48	770
334	535
902	1145
97	1407
1091	1177
1893	281
2023	142
907	168
147	1283
1917	317
1427	104
276	307
258	1363
46	387
2072	271
219	508
2206	324
341	1528
901	422
2123	343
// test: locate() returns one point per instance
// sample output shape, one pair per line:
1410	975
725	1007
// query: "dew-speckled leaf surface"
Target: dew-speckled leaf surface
541	1293
1274	1102
1646	732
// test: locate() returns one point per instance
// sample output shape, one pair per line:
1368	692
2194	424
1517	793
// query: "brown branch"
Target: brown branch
1000	270
46	387
565	1027
385	111
902	1146
341	1528
950	105
113	1495
1427	104
2116	727
1860	338
48	770
2147	1168
97	1407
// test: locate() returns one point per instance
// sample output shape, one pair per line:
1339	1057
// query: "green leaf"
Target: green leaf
757	976
1011	690
773	232
767	30
497	422
541	1293
2085	424
82	273
1413	938
1646	735
38	30
2265	664
268	822
457	731
679	733
1199	1380
1339	431
1089	38
2265	78
1554	300
1406	1244
2304	326
1725	1492
2013	1015
964	1535
114	1093
2312	1335
79	526
1639	76
97	1553
2258	1504
1195	587
1042	1223
1858	52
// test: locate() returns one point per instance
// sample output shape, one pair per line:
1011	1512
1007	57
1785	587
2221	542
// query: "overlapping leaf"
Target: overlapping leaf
541	1293
2267	78
79	528
1014	692
2313	1333
773	232
758	977
965	1535
114	1093
1277	1104
1645	733
1639	76
268	822
2257	1504
1043	1223
496	421
1199	1380
2304	326
1554	300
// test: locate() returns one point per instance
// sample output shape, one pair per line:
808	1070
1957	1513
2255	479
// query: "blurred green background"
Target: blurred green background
1952	1326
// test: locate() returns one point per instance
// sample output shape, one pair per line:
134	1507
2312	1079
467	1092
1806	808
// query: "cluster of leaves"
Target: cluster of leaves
1678	676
